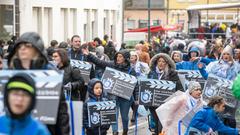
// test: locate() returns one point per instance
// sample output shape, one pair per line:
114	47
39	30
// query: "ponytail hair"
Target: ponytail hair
215	101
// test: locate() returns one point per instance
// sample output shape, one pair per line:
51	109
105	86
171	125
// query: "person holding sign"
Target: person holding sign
171	112
95	91
19	101
72	78
121	62
162	68
28	54
207	121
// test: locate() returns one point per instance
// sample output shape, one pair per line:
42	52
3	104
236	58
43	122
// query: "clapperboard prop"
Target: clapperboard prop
155	92
216	86
190	75
5	65
101	113
84	67
48	83
118	83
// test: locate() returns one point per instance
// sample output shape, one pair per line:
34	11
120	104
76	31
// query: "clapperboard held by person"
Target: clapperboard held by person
84	67
154	92
216	86
101	113
118	83
49	84
190	75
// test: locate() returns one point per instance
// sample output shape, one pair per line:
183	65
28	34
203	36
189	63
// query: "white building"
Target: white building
61	19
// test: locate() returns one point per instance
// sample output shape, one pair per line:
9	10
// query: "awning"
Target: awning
155	29
214	6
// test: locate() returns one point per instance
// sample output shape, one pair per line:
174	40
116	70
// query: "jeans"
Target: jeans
124	106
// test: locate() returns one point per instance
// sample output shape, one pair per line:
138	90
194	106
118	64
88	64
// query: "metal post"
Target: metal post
123	8
207	10
149	17
167	10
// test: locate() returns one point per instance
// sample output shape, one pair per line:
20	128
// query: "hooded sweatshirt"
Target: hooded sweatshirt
93	98
24	124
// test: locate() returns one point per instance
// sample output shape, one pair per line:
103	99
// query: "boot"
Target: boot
125	132
115	133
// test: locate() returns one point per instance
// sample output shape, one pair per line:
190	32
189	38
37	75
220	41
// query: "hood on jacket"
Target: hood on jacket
126	55
24	82
194	49
228	49
90	87
36	41
134	54
178	52
100	50
166	57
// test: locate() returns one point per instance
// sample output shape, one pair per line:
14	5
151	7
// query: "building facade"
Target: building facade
62	19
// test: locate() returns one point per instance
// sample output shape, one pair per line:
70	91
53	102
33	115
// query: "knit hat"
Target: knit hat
24	82
193	85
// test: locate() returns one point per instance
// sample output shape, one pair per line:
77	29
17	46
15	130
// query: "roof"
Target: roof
214	6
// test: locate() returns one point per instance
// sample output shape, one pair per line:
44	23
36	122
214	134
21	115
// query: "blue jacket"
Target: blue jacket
25	126
207	118
192	65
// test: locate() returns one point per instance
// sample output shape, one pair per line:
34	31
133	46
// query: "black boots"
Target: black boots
125	132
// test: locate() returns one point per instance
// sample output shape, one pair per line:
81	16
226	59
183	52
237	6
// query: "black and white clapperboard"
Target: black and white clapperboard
154	92
101	113
216	86
84	67
190	75
48	83
118	83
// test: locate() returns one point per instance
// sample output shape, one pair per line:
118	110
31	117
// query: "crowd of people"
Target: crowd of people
161	59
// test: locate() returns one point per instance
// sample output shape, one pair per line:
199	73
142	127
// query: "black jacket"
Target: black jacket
73	75
121	67
92	98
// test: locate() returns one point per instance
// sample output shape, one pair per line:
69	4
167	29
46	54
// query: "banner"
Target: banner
154	92
84	67
101	113
118	83
216	86
48	84
190	75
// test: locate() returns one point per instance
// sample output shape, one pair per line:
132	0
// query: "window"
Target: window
143	23
130	24
156	22
6	22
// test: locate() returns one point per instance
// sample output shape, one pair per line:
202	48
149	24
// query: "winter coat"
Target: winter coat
192	65
144	56
62	125
109	50
221	69
73	75
172	74
207	118
172	111
112	64
92	98
24	126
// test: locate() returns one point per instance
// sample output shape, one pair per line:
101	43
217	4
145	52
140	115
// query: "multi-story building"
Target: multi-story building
61	19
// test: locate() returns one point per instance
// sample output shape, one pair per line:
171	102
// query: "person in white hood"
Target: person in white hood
171	112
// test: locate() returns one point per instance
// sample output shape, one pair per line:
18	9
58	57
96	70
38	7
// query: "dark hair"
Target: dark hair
63	45
63	55
74	36
215	100
105	37
53	42
98	40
